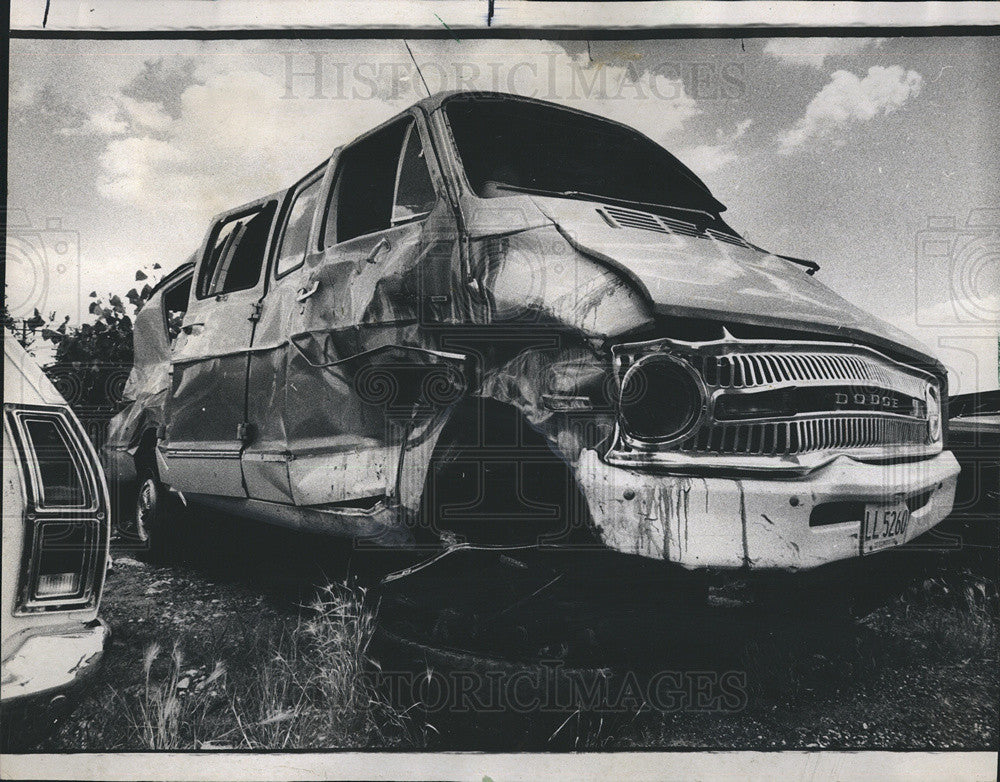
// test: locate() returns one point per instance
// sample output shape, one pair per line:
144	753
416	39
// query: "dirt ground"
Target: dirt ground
920	672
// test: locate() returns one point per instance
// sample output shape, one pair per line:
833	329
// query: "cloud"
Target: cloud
22	95
970	309
708	158
235	133
848	99
813	52
235	139
163	81
119	115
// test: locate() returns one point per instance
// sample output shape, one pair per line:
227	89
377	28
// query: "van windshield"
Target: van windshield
509	146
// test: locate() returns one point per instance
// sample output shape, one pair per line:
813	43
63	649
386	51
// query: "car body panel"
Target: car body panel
205	407
708	277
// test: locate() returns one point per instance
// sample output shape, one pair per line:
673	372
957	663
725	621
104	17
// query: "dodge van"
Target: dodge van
496	321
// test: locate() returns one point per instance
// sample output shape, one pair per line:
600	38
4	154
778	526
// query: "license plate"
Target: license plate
884	526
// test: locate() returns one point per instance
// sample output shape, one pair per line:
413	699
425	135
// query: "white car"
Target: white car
55	551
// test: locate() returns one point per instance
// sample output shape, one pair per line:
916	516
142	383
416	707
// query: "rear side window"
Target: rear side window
415	195
60	482
381	181
296	237
175	302
236	252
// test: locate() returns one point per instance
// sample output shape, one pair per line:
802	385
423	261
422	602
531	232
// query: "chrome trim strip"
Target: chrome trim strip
800	464
268	456
194	453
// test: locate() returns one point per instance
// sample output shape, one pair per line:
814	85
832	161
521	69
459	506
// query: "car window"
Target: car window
415	194
294	240
236	253
175	302
362	197
61	484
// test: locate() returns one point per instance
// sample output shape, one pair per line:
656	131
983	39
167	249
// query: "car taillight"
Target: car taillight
57	585
65	513
63	554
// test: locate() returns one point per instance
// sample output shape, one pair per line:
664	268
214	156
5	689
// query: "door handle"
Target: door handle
188	328
305	293
383	244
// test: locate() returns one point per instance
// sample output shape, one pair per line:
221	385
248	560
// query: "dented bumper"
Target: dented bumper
51	660
718	522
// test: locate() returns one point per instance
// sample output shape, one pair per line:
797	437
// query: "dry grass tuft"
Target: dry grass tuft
312	687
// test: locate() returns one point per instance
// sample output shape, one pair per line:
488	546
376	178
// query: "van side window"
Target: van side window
415	195
236	253
363	194
175	302
293	242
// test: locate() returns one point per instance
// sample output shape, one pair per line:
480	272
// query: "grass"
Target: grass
310	686
240	675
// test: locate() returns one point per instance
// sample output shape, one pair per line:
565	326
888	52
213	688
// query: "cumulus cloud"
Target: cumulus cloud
813	52
709	158
848	99
237	133
236	138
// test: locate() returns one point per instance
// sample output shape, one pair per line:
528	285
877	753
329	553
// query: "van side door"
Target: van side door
266	456
358	347
206	424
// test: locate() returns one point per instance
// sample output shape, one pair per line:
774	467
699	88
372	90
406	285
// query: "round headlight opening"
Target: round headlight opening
661	399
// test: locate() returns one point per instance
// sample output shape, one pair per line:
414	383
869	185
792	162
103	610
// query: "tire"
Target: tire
155	511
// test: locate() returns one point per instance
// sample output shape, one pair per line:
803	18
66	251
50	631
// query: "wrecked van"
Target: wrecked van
496	321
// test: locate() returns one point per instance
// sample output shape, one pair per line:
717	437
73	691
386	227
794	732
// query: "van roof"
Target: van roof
434	102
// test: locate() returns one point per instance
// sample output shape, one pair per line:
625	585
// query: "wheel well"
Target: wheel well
534	491
145	453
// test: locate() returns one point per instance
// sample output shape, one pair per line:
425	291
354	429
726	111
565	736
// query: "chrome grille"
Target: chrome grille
828	432
748	370
738	370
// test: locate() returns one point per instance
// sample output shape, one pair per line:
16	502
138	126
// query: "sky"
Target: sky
877	157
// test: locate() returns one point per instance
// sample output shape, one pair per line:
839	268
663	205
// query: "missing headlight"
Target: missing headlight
662	399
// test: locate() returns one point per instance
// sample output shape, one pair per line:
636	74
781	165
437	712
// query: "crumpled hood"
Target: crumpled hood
703	277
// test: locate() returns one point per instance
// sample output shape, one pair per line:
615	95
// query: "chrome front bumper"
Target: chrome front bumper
51	660
755	522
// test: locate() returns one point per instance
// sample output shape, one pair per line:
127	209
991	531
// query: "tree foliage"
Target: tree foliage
92	361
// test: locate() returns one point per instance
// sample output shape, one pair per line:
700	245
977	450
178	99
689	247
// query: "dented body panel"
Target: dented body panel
318	394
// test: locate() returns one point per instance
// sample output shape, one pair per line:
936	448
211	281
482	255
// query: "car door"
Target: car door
206	408
356	335
266	455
